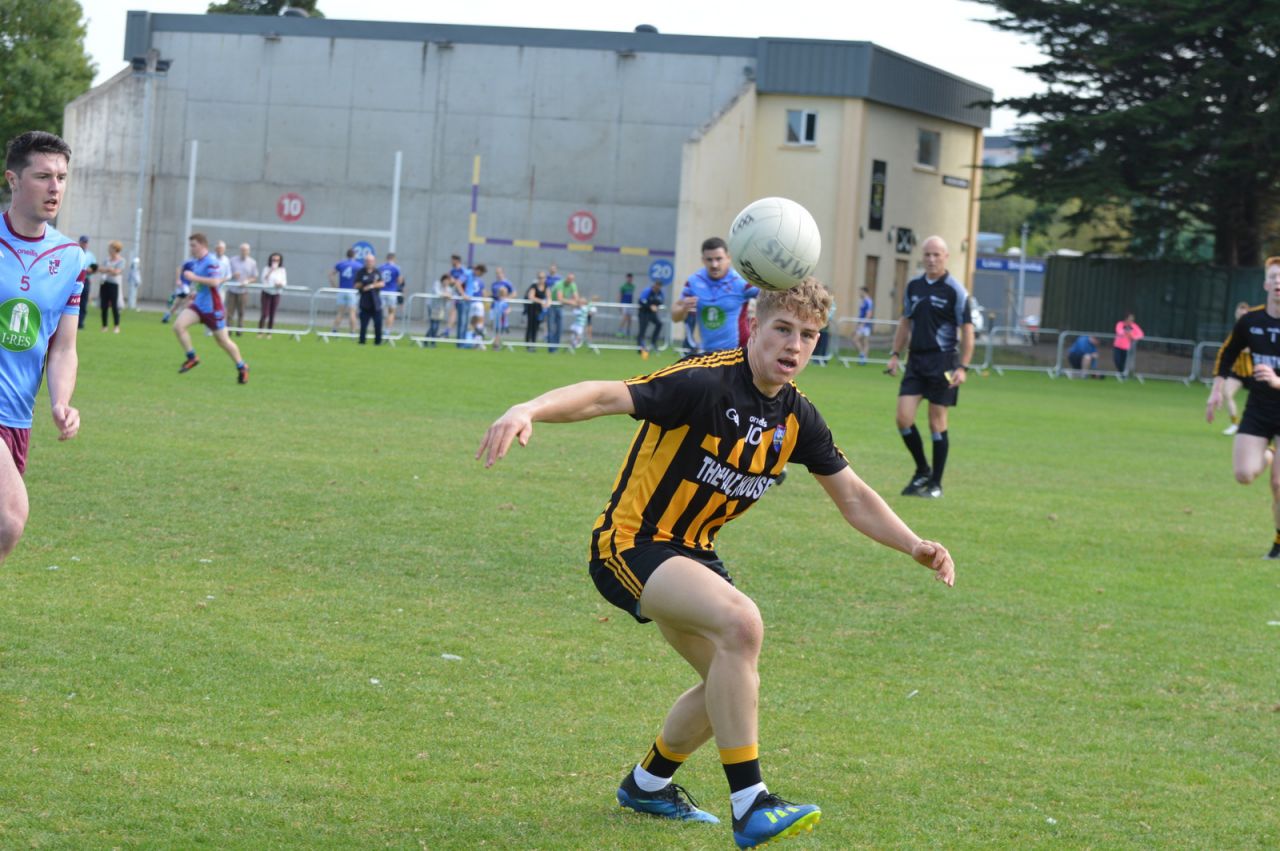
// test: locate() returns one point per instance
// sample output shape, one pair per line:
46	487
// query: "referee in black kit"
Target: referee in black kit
937	320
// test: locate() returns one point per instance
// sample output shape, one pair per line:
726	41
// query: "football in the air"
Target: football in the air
774	243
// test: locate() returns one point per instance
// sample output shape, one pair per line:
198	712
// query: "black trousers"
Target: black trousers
109	298
376	316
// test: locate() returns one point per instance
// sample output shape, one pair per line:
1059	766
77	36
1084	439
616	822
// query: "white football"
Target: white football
774	243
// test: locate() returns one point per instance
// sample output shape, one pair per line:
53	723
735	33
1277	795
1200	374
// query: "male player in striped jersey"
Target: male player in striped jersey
715	431
41	282
1258	330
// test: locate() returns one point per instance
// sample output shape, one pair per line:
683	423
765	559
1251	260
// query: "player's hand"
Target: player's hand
935	557
690	302
515	424
1214	403
892	368
67	419
1266	375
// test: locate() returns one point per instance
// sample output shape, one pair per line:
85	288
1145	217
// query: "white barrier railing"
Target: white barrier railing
327	295
289	320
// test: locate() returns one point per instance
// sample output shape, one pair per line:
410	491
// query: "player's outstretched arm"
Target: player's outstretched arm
61	365
1215	397
570	404
867	512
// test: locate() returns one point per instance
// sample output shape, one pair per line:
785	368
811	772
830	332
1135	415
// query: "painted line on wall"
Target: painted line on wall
474	238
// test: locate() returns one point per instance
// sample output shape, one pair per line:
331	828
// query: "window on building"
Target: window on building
802	127
929	149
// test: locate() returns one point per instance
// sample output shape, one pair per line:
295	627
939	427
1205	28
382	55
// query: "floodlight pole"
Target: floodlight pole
145	67
1022	276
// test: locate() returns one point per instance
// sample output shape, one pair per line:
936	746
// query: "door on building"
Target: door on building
870	280
899	286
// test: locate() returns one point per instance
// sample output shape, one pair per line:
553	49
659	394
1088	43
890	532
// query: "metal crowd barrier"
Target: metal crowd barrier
330	294
1021	349
288	319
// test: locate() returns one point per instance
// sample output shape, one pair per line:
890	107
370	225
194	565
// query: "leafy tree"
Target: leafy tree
43	65
263	7
1170	109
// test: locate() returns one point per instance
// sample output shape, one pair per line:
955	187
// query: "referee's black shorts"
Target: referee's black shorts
925	376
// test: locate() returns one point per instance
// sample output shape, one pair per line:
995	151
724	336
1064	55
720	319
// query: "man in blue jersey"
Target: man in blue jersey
41	283
716	295
862	335
206	307
392	282
343	276
937	320
461	295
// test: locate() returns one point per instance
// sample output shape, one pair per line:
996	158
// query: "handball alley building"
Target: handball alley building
603	152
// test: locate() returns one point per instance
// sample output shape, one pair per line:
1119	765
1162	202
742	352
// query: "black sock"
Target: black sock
941	445
911	437
661	761
741	766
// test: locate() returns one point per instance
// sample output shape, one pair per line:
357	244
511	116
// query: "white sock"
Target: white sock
649	782
744	798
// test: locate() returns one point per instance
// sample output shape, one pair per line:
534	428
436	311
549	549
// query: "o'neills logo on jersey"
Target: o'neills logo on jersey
19	324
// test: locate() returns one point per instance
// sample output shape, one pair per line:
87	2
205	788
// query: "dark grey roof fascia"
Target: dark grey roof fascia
860	69
807	67
456	33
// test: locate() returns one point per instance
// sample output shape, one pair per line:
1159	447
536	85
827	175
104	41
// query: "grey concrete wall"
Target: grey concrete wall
558	130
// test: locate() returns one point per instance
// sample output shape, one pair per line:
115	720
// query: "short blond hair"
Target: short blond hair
808	299
115	245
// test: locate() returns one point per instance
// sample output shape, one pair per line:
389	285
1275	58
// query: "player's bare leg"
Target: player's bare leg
223	339
185	320
14	507
1250	455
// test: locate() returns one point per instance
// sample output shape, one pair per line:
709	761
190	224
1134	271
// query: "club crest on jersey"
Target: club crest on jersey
779	434
55	263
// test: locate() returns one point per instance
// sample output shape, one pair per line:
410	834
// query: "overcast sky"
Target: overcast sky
944	33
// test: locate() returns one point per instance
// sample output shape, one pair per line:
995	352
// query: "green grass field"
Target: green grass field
227	624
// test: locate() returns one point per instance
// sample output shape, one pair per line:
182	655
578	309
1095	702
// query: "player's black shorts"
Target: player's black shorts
621	578
926	376
1260	420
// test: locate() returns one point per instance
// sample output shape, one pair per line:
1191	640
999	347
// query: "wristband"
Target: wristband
894	354
963	366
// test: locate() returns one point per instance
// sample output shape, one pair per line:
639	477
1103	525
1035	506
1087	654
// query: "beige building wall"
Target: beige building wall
743	154
916	198
715	173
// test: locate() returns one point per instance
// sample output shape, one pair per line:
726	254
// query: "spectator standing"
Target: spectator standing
627	297
244	271
537	300
1128	332
90	269
368	283
274	280
343	276
109	290
564	294
461	288
650	304
438	306
501	290
392	286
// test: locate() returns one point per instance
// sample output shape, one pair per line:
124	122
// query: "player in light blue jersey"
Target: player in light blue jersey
716	295
206	307
343	276
41	282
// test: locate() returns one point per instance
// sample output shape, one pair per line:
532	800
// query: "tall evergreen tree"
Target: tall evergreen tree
43	64
263	7
1170	108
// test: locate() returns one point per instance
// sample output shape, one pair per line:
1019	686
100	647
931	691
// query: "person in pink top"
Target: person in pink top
1127	333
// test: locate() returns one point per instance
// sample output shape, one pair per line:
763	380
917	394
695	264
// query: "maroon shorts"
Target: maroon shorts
17	439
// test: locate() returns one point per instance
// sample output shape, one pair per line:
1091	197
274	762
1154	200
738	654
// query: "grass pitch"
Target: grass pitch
232	621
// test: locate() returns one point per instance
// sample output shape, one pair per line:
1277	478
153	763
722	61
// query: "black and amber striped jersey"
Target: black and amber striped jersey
709	445
1256	336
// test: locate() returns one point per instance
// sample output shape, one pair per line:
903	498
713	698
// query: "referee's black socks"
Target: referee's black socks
941	445
915	445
